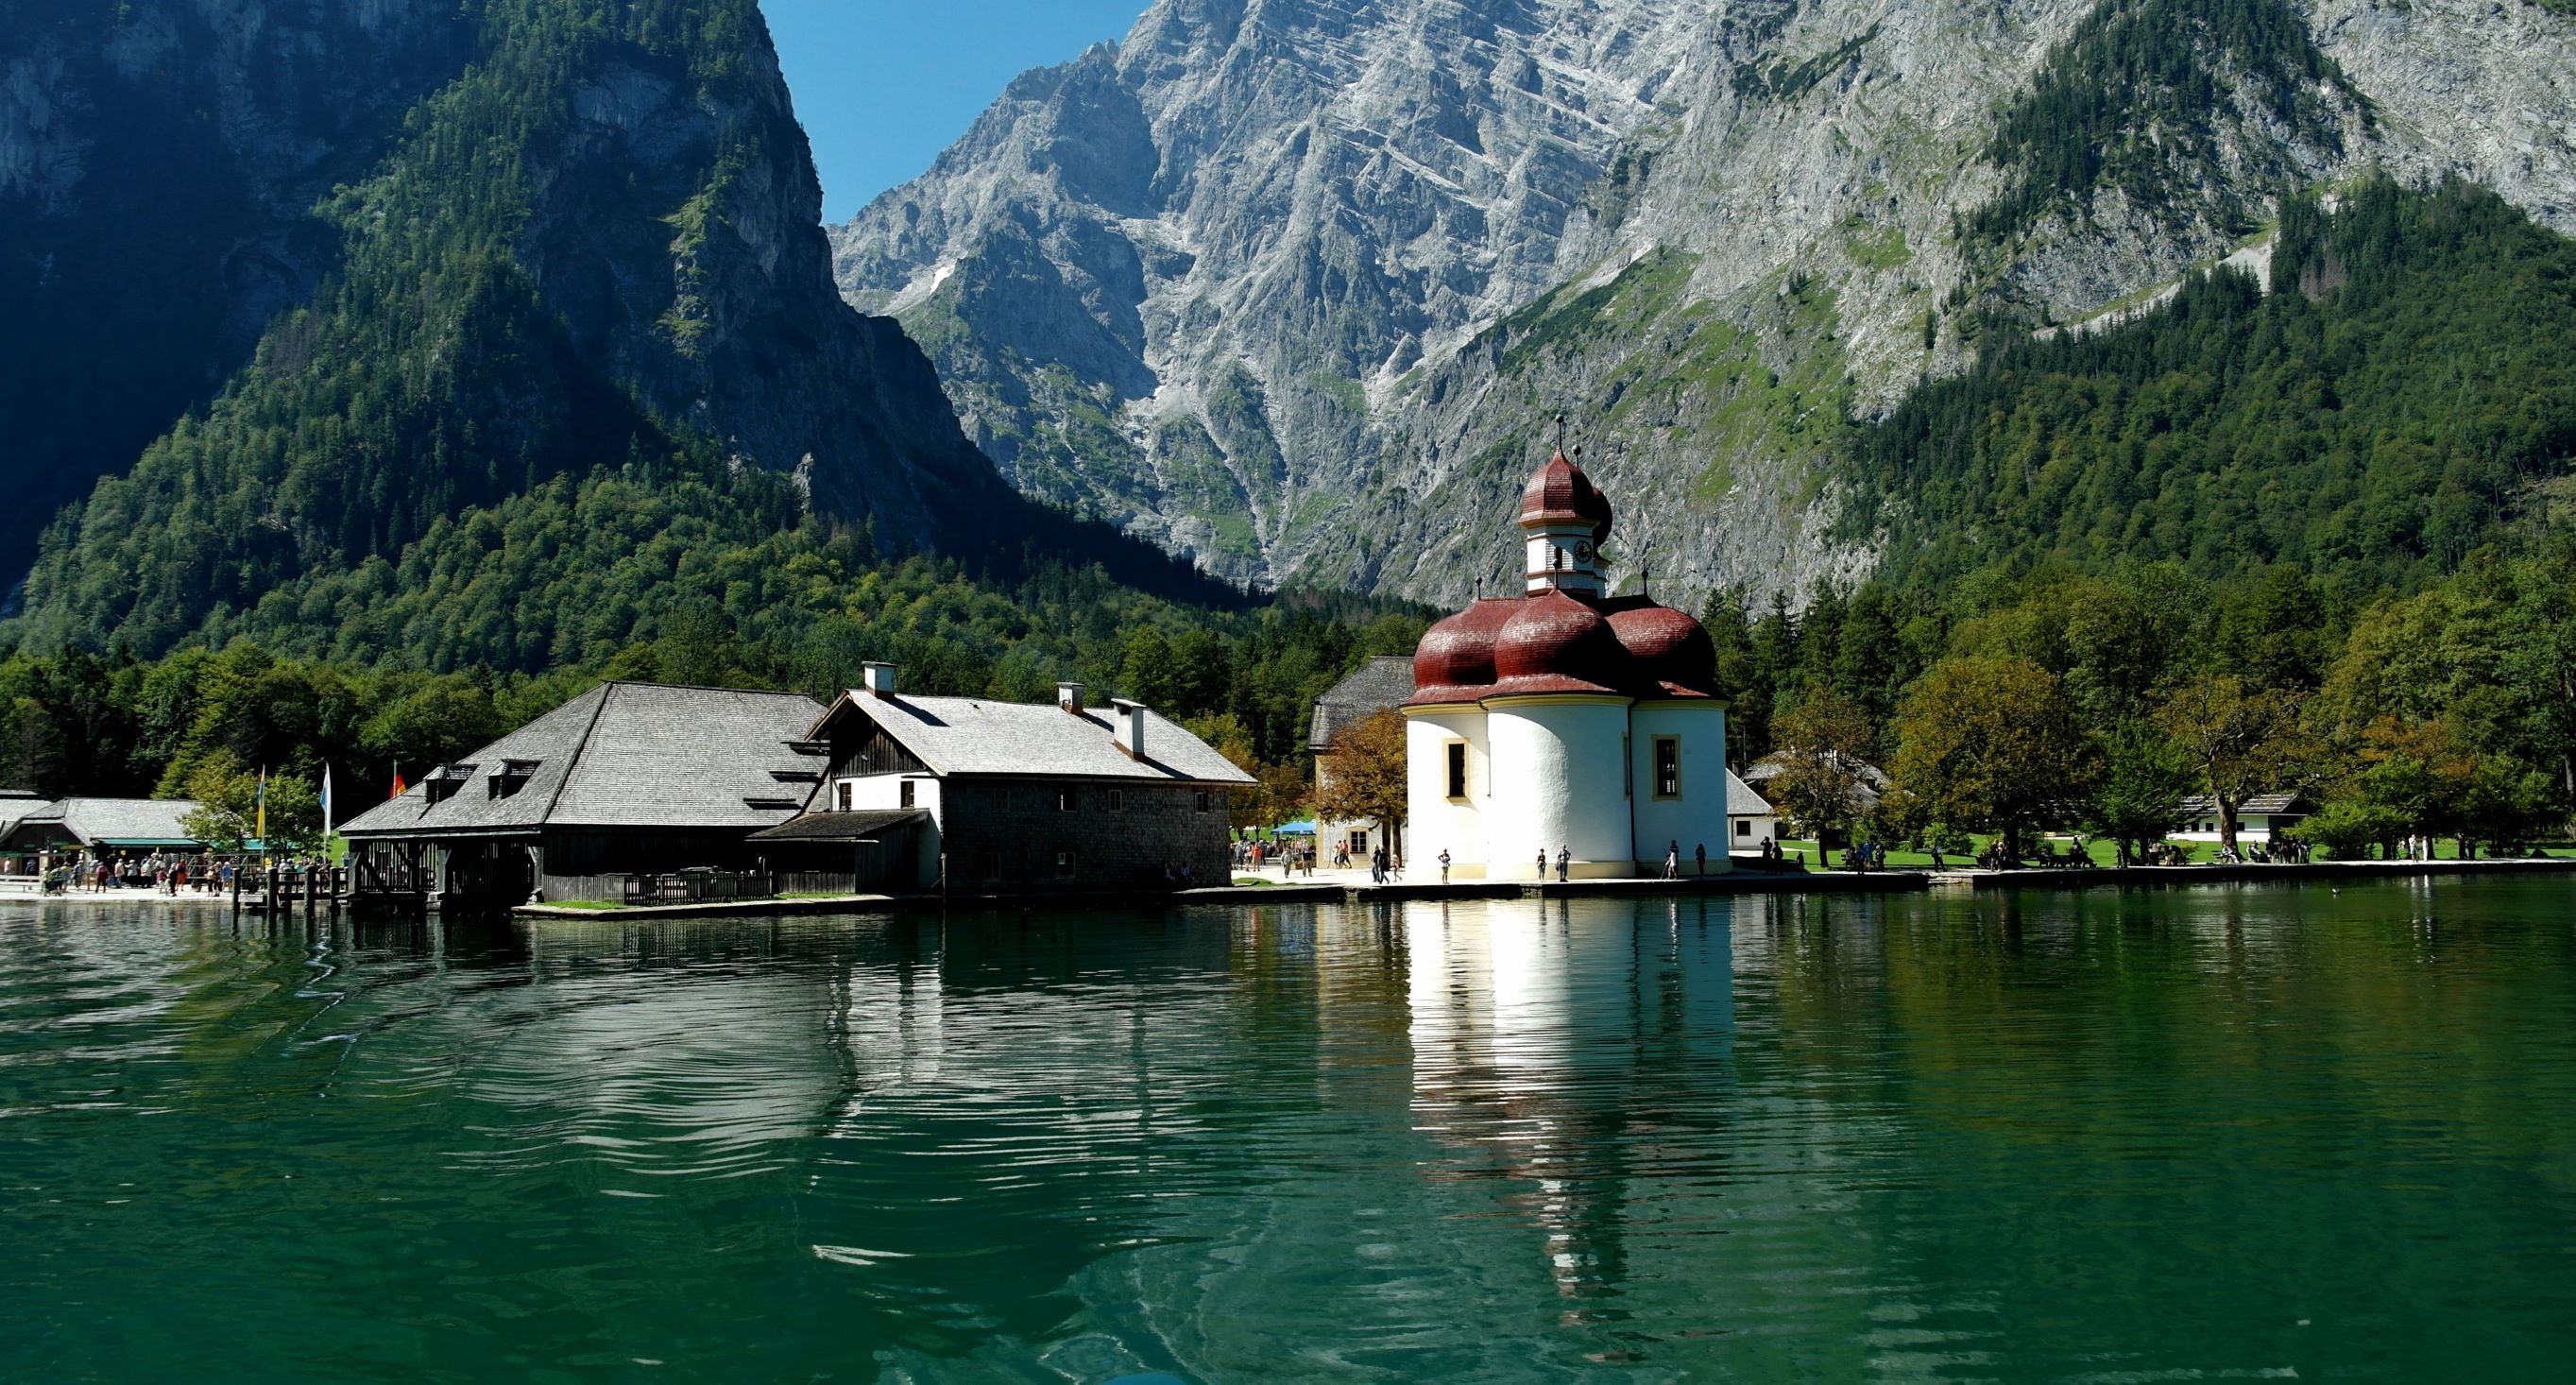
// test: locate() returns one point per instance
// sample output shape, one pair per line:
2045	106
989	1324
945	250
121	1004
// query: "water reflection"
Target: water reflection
2108	1134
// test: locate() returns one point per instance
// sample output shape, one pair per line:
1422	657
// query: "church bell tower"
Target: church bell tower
1564	521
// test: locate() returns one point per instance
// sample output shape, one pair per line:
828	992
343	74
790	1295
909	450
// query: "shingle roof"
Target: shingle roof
1873	780
1742	801
1382	682
116	821
626	755
839	827
2264	804
973	735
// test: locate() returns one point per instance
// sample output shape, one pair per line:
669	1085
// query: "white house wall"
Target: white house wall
869	792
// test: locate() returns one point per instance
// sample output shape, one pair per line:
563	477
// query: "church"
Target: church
1565	718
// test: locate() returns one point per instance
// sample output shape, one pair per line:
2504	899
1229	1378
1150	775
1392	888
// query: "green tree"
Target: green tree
2145	778
1823	744
1994	743
229	807
2244	740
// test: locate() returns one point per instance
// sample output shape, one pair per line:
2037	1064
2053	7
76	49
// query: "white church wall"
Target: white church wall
1558	783
1433	821
1697	816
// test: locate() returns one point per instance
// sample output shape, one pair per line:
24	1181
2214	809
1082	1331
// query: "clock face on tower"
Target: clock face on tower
1583	550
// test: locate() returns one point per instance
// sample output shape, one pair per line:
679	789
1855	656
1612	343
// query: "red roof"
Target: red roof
1558	493
1557	642
1552	642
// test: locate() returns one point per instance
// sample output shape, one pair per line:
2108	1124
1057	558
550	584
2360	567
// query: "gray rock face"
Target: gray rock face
1293	286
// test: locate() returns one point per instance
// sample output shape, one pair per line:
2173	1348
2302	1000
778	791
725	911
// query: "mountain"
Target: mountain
1293	287
341	305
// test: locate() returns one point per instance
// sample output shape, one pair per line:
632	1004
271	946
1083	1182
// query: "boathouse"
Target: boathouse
1015	795
627	779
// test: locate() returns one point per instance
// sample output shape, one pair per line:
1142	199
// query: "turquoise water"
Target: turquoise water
2253	1132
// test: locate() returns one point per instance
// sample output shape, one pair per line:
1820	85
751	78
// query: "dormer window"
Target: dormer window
512	776
441	784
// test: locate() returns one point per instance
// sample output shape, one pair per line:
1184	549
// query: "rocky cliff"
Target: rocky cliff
1293	286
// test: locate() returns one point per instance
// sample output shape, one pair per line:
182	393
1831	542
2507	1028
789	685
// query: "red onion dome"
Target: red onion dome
1559	492
1671	650
1455	660
1555	643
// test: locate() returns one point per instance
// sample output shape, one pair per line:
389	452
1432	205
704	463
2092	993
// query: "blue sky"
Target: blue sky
883	85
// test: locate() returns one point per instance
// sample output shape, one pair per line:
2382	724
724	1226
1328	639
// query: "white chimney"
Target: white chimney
1068	695
877	678
1129	726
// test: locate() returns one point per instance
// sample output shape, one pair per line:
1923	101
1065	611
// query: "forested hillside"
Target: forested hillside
572	345
2400	396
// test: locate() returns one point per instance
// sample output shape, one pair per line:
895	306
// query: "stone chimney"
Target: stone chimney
1068	695
1129	726
877	679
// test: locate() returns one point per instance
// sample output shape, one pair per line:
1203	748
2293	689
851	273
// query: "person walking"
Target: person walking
1377	866
1444	865
1542	863
1673	859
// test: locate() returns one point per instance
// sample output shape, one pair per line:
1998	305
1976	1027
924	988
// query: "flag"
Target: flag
398	783
259	808
326	800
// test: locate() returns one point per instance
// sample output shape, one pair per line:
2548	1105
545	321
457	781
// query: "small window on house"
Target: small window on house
1069	799
1117	800
1203	798
1668	767
1457	751
1064	865
841	795
906	793
1744	827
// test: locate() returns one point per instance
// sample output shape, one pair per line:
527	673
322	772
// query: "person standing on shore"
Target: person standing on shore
1564	859
1699	853
1444	865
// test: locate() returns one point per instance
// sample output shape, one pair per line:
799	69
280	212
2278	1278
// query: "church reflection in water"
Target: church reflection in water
1436	1122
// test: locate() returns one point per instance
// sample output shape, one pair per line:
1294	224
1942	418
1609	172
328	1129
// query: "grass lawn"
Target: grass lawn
1253	880
583	904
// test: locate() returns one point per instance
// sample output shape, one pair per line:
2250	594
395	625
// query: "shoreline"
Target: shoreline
1732	883
1739	882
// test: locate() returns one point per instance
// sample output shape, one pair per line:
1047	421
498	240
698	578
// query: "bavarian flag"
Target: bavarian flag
259	807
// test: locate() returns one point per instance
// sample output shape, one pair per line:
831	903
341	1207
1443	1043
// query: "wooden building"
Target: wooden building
1016	796
627	778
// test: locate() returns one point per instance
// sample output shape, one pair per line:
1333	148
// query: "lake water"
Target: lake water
2224	1133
